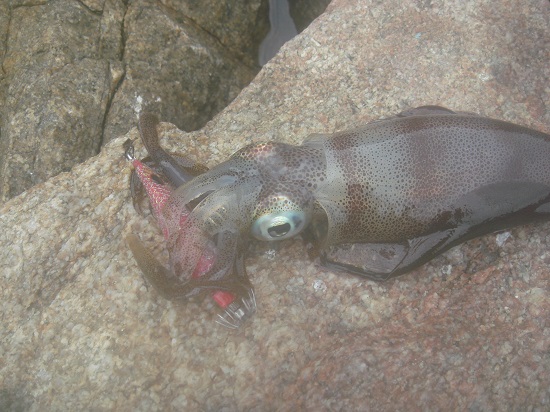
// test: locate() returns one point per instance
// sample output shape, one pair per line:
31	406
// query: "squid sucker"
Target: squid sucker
376	201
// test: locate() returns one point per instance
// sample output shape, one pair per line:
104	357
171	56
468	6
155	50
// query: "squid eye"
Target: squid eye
279	229
279	225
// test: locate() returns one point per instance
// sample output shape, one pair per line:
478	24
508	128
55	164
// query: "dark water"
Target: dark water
282	30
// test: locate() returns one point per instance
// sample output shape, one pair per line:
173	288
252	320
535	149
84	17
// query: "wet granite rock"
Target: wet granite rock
55	89
81	330
74	74
239	26
177	65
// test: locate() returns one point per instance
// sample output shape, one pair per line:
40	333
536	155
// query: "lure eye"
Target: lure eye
279	225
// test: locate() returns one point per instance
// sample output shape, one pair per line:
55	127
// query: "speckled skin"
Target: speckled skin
415	185
397	191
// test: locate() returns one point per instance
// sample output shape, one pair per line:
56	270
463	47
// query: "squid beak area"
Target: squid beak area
210	245
218	224
220	266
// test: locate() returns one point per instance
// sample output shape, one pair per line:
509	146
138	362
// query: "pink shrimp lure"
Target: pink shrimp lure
159	175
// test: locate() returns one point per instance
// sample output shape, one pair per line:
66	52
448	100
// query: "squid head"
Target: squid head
263	190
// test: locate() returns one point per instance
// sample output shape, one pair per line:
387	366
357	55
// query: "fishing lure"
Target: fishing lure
376	201
158	175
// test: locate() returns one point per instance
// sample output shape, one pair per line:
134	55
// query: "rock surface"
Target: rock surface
470	330
75	74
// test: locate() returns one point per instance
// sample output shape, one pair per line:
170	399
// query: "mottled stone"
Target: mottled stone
239	26
55	91
74	74
468	331
175	68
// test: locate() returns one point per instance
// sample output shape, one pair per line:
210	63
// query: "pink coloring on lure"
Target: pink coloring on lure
158	193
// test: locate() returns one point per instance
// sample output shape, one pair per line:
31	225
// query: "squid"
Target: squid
377	201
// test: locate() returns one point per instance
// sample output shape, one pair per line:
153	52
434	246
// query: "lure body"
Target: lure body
376	201
158	176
